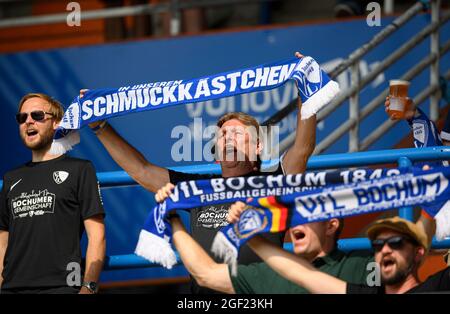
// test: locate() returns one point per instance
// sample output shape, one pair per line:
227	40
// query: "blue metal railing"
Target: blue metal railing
121	178
403	157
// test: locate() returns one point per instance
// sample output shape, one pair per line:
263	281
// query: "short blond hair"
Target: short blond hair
56	109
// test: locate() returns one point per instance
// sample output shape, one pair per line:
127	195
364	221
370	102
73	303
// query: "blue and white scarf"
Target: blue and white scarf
63	141
430	189
155	238
315	89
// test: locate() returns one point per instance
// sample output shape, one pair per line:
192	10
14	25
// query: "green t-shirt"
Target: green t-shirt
259	278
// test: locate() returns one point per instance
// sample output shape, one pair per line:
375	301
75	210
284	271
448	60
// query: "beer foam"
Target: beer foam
398	82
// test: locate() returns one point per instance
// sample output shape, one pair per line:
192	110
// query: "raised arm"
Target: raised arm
298	154
198	263
295	268
148	175
292	267
424	130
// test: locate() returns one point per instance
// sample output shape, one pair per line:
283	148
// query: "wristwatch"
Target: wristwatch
91	286
99	127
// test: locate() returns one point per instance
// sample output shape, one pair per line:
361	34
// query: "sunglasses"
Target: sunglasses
37	115
395	243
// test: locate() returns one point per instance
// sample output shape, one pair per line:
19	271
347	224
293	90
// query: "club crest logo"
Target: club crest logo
60	176
252	221
71	118
308	76
420	133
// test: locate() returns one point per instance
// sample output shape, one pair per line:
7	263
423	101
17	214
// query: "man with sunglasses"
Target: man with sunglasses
400	247
45	205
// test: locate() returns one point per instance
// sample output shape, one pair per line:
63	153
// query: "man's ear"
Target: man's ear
259	148
420	254
332	226
56	124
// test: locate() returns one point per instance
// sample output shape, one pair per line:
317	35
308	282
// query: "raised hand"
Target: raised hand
164	192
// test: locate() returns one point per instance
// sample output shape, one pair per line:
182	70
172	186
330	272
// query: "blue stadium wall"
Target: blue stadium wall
62	72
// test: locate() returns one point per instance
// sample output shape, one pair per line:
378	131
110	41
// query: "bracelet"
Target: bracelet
99	127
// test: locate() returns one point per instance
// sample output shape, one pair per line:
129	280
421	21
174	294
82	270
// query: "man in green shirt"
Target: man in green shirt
259	278
316	242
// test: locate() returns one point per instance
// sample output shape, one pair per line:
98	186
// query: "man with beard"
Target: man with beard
400	247
45	205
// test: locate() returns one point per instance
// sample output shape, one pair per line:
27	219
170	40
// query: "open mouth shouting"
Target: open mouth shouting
229	152
31	134
298	236
387	264
230	149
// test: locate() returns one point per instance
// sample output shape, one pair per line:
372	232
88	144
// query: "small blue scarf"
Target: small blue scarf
428	188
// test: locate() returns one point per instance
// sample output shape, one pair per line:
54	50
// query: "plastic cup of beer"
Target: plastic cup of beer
398	98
